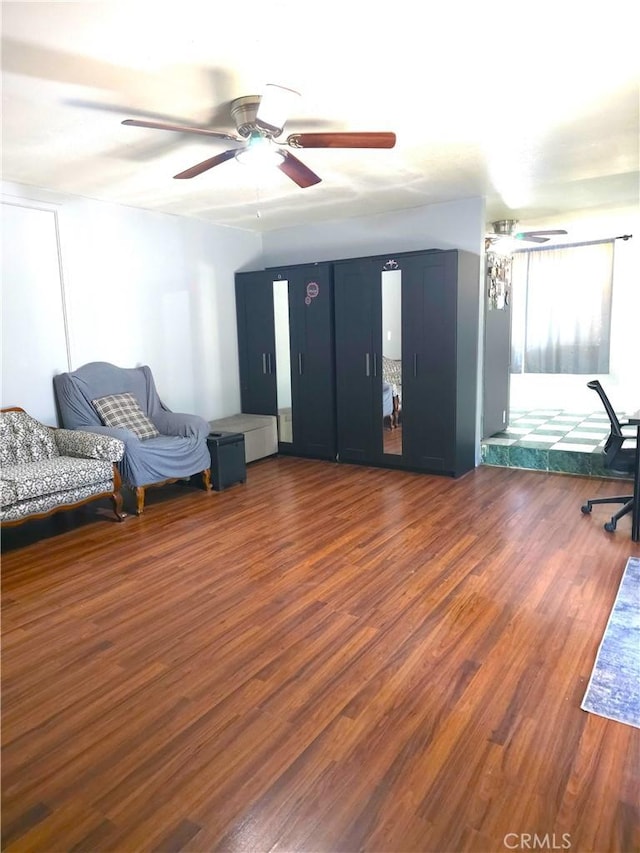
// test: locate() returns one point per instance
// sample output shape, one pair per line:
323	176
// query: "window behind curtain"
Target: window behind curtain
561	309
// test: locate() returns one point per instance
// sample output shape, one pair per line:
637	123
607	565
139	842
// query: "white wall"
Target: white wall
450	225
622	383
138	287
34	340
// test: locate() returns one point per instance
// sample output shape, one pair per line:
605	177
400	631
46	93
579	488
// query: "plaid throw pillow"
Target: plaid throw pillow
122	410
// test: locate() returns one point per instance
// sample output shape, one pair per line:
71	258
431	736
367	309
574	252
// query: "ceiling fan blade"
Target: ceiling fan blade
297	171
341	140
542	233
207	164
159	125
276	103
528	238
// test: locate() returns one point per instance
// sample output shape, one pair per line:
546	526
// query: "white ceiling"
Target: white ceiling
534	106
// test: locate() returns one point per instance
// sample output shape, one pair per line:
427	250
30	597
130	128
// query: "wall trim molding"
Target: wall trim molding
53	209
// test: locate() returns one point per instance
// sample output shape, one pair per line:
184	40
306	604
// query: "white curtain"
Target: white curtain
561	309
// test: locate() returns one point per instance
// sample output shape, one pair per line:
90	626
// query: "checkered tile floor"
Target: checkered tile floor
552	439
555	430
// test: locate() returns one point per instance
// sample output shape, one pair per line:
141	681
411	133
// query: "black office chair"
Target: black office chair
617	459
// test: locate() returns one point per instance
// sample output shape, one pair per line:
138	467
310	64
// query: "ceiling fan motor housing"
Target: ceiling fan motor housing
505	227
243	112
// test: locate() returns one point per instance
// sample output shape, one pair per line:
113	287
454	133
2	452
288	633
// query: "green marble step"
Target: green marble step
587	464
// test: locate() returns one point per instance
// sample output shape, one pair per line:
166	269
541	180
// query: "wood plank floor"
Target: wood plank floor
328	658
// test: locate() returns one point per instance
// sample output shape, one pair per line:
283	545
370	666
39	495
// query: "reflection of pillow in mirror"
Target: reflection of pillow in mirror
392	370
123	410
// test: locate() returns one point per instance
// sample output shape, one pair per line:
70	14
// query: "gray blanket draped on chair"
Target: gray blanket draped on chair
178	452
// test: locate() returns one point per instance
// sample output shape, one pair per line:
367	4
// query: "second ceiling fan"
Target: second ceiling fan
259	121
507	228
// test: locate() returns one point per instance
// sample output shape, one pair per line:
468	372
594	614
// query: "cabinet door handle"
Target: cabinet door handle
269	362
375	364
415	364
300	363
264	362
367	370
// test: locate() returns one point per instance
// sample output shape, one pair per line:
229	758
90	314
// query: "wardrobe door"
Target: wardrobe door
256	343
312	360
440	310
429	375
357	302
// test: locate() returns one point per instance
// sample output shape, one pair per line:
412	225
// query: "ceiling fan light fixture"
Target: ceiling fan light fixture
502	245
259	152
276	104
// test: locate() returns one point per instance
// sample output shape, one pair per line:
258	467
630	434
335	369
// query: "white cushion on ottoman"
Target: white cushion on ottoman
260	433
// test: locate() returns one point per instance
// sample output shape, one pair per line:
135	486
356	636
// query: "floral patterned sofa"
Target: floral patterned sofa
44	470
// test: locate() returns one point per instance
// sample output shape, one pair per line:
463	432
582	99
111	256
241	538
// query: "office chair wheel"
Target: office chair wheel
610	526
586	508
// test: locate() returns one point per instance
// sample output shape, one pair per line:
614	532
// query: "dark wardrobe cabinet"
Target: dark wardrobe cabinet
286	346
347	323
439	305
440	350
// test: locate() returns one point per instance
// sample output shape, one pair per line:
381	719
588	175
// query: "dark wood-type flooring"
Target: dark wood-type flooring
328	658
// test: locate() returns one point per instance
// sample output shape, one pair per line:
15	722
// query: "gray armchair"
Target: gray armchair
161	446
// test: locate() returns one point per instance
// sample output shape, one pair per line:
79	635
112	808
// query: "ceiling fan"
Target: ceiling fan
507	228
259	121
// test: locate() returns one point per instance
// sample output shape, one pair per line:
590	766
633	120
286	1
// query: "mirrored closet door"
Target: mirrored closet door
303	315
391	367
283	360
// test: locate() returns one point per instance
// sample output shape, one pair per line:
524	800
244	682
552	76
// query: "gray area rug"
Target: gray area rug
614	686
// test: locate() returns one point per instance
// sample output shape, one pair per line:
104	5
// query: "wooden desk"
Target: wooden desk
635	512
